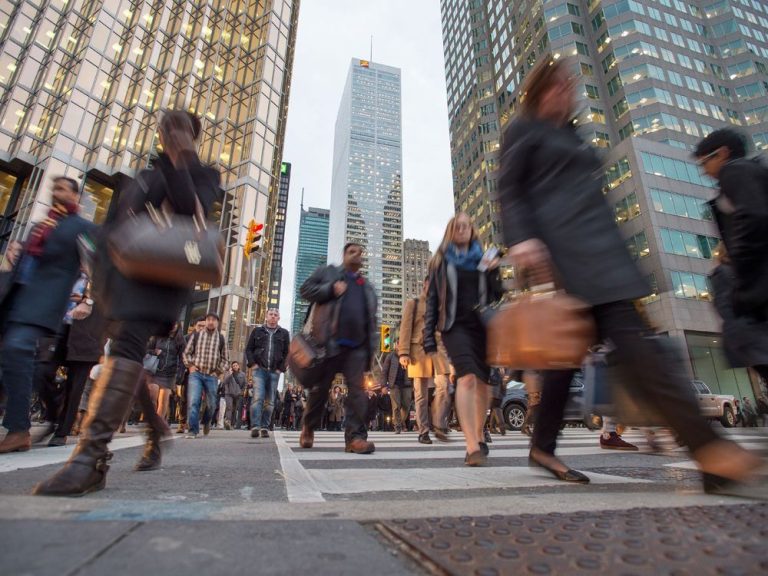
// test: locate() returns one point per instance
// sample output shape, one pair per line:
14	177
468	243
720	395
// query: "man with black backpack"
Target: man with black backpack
206	359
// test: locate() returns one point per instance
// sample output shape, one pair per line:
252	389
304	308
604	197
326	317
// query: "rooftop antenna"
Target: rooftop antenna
302	198
371	59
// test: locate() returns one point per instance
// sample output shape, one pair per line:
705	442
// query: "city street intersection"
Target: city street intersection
265	506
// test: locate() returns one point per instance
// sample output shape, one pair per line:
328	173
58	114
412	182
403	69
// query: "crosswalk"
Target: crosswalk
400	463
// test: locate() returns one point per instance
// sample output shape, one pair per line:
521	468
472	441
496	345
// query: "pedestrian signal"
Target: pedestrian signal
386	338
253	239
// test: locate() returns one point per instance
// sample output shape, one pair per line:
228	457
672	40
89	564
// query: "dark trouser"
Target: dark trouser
229	415
352	363
129	341
51	353
17	357
77	376
181	402
401	406
655	382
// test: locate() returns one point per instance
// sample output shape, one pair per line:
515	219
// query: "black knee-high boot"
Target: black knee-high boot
111	398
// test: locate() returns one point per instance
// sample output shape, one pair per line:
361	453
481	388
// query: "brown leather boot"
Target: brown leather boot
307	438
111	398
158	430
16	442
360	446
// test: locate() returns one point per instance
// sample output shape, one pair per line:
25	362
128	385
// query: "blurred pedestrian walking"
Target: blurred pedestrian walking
394	378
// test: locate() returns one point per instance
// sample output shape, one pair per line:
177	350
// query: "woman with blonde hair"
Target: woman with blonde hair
457	288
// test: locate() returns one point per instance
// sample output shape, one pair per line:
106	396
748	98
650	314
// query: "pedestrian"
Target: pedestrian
457	288
36	297
299	406
557	224
181	391
741	214
496	417
137	309
335	409
267	354
169	350
394	378
750	414
425	370
289	399
373	410
343	306
234	385
207	360
385	409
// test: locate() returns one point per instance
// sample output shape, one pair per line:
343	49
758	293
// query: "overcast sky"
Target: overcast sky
407	35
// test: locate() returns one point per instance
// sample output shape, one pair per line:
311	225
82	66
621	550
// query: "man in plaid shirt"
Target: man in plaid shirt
206	359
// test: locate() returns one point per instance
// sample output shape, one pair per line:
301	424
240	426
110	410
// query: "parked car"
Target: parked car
515	405
720	407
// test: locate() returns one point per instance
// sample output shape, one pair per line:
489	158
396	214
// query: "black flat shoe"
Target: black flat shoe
484	448
569	475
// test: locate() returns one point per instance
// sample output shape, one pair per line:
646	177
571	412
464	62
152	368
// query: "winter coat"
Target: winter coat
741	213
234	383
745	339
87	337
335	408
411	342
170	364
550	188
43	299
390	368
268	350
440	308
127	299
318	290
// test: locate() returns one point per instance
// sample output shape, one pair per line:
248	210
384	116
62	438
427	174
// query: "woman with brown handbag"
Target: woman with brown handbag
138	309
457	289
557	223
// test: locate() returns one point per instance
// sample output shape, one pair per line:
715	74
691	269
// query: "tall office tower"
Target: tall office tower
310	255
655	77
416	257
81	86
278	238
366	189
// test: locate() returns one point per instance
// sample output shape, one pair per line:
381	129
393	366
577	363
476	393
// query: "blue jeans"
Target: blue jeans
18	356
264	390
198	383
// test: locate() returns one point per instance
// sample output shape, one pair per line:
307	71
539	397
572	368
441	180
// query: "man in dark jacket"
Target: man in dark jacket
344	322
35	301
233	386
267	353
393	376
741	212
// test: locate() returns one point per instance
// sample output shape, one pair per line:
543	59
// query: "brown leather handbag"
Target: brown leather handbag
306	356
541	329
160	247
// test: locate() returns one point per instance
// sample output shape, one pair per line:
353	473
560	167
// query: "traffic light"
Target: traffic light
253	239
386	338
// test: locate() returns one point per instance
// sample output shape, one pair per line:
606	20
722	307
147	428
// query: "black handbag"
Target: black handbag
160	247
306	357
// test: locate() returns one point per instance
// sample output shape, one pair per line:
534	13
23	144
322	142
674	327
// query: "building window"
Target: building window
627	208
674	169
680	205
687	244
690	285
637	246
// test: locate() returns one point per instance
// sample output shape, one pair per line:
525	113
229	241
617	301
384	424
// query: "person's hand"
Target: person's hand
192	369
339	287
158	351
404	361
532	261
81	311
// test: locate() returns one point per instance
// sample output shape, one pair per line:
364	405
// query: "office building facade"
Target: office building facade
416	255
277	226
81	87
366	189
655	78
310	255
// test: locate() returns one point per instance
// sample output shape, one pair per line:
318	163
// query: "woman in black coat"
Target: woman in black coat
170	368
138	310
558	225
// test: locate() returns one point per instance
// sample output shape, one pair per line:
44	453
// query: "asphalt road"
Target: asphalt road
228	502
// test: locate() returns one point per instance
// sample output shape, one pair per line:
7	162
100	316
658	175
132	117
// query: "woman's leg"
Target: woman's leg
555	385
466	400
163	398
483	394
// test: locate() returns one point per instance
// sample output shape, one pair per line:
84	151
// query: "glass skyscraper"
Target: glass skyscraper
81	85
278	237
366	189
655	78
310	255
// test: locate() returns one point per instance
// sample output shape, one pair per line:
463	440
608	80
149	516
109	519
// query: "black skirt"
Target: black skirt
465	343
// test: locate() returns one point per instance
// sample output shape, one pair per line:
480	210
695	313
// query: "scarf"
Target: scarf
42	230
465	260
